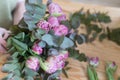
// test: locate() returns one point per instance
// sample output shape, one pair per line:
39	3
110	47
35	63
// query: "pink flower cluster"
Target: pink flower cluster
37	49
56	16
33	63
54	63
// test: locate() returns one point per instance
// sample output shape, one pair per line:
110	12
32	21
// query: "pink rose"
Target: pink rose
61	30
53	21
50	65
33	63
62	18
54	9
37	49
44	25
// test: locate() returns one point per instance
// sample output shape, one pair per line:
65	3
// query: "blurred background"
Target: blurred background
113	3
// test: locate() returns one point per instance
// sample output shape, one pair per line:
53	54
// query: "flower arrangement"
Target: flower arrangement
40	45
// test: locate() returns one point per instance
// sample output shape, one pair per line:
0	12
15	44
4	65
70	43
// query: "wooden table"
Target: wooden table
106	50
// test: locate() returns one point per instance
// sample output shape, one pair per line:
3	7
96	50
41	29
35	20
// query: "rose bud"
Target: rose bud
112	66
33	63
61	30
44	25
53	21
54	9
37	49
94	61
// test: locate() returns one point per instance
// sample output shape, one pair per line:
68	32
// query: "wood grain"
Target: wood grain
106	50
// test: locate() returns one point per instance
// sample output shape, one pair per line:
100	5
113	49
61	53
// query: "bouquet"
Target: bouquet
40	45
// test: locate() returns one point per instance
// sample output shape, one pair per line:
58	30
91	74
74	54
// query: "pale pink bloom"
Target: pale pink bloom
61	30
33	63
50	65
37	49
53	21
54	9
62	18
42	24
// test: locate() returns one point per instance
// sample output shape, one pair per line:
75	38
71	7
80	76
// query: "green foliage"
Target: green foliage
76	55
87	18
75	20
67	43
29	72
114	35
35	10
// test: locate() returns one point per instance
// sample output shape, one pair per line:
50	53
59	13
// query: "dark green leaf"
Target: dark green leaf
81	38
96	28
20	46
102	36
65	73
20	36
75	21
76	55
66	23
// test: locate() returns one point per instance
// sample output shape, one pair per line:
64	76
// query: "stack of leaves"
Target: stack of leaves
41	43
114	35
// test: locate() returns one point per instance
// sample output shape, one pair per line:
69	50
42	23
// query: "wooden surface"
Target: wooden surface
106	50
113	3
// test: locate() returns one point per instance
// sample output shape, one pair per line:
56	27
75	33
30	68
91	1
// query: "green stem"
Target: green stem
95	74
90	73
109	74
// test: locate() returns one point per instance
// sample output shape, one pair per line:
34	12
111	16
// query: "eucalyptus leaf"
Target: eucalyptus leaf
29	72
29	78
20	46
37	2
81	38
8	77
39	33
75	21
72	36
20	36
67	43
49	40
9	67
42	44
15	78
9	42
